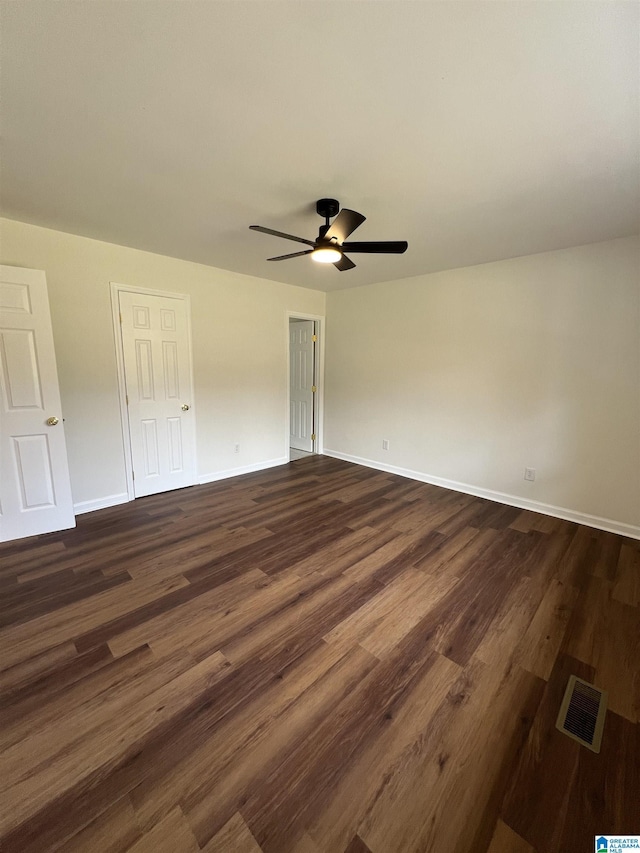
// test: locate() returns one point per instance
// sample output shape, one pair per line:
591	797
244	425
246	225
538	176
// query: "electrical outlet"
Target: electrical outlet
385	443
236	448
530	474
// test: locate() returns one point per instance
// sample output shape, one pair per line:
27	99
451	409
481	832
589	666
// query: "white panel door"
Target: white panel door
35	492
301	377
157	366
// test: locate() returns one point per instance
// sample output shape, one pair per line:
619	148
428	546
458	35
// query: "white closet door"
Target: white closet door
301	355
157	363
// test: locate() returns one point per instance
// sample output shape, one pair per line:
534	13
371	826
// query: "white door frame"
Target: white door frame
116	289
318	397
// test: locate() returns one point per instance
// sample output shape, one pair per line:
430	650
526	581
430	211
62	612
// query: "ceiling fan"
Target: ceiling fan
330	246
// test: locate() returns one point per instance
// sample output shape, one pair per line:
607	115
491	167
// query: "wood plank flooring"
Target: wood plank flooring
318	658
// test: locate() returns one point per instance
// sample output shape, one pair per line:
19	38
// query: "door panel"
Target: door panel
157	366
32	459
170	363
20	369
35	492
301	377
175	444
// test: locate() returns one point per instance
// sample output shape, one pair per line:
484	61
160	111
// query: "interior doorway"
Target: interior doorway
304	386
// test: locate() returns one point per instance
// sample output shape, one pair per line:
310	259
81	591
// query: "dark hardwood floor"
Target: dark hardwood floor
319	658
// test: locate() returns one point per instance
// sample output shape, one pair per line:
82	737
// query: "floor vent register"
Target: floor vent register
582	713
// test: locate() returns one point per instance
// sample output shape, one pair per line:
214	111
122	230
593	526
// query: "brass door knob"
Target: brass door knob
52	421
185	407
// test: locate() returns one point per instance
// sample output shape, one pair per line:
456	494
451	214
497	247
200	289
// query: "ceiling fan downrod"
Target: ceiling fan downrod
327	208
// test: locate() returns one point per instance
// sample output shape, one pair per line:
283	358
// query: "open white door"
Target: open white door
301	379
157	368
35	492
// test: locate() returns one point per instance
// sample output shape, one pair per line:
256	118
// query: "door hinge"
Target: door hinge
313	436
120	315
314	338
133	475
126	397
313	389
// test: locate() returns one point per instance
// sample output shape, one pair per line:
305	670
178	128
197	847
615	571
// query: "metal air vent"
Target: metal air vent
582	713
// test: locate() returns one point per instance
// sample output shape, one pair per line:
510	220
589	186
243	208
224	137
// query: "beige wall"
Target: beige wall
473	374
239	349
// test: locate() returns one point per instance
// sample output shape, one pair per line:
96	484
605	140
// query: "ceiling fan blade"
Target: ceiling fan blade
281	234
344	263
395	247
294	255
344	224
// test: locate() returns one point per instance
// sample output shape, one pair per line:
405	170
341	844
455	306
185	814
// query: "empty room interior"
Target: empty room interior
320	426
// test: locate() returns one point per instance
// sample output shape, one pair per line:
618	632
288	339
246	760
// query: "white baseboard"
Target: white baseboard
114	500
100	503
245	469
611	526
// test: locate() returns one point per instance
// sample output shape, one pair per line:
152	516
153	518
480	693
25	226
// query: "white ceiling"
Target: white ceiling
476	131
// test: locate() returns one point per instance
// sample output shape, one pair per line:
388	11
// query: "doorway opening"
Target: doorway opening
304	397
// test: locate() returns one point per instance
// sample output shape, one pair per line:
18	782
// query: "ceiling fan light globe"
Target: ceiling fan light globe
326	255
